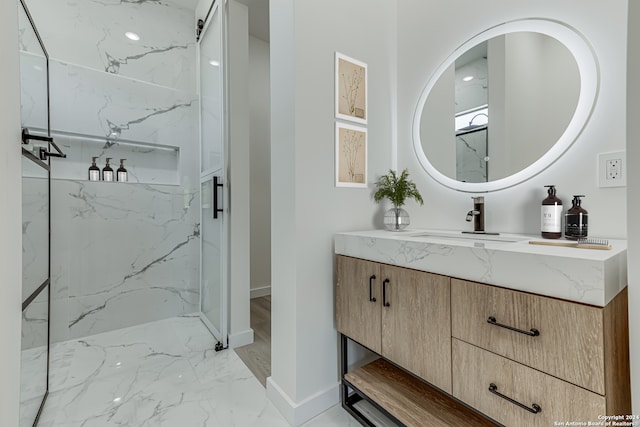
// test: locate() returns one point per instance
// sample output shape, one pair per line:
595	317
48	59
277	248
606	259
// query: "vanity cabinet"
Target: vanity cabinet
516	358
401	314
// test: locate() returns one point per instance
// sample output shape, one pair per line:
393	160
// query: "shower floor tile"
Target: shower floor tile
160	374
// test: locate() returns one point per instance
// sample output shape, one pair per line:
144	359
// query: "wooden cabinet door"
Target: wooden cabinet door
416	323
358	301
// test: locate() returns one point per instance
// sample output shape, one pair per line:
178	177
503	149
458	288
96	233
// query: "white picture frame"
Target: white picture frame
351	155
351	95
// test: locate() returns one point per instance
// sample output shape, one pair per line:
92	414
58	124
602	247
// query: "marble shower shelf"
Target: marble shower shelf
146	163
130	183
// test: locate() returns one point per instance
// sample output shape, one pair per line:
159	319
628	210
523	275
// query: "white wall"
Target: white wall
633	196
10	216
429	30
260	128
306	207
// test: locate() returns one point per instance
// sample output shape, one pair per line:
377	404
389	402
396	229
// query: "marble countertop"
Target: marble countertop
587	276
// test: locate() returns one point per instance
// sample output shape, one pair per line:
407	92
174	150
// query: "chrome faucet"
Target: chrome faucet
477	214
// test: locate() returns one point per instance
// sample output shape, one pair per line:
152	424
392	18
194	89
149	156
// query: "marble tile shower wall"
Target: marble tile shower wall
122	254
122	258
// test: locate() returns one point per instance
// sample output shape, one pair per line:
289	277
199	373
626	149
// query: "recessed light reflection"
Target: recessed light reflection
214	63
117	399
132	36
467	79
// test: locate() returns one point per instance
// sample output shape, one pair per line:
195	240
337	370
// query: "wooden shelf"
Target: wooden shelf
411	401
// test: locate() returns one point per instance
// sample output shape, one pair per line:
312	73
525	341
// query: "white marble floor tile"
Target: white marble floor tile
161	374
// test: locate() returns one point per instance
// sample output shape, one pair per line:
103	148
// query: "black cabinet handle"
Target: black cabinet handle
531	332
216	184
384	293
534	409
371	279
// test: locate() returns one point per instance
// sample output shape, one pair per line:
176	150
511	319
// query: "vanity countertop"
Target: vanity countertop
588	276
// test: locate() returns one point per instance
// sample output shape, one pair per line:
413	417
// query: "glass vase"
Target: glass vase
396	219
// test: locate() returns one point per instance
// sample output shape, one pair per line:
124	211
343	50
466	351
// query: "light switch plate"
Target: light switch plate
612	169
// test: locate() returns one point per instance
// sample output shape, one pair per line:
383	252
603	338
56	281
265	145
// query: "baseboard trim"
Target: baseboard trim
241	338
298	413
262	291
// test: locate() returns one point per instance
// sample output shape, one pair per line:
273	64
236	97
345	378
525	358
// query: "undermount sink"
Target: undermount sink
477	237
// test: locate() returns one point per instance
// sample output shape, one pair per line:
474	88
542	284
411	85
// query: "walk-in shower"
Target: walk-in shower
121	253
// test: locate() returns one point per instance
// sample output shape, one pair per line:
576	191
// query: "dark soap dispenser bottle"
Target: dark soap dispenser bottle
94	170
107	172
576	220
551	222
121	173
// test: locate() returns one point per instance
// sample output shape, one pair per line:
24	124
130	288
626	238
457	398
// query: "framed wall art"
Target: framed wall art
351	89
351	156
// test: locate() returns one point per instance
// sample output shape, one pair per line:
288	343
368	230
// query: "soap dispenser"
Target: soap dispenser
551	221
122	174
576	220
94	170
107	172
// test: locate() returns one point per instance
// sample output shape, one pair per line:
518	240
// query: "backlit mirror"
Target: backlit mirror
505	105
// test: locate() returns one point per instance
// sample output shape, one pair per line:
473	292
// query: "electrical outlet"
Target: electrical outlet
614	169
611	169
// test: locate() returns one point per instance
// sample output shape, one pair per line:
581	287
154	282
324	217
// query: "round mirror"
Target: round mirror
505	105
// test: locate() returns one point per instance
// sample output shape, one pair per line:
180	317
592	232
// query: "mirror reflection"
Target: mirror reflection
500	107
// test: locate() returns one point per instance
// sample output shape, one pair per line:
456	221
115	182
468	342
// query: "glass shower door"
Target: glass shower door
34	94
214	222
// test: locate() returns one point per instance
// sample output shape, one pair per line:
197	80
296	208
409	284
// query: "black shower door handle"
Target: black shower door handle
216	209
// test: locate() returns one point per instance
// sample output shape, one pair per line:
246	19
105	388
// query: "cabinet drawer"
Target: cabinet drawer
475	370
569	344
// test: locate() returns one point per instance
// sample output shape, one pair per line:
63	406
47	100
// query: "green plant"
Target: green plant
397	188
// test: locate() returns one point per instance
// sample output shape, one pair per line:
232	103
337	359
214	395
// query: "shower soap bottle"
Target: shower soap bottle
122	174
551	222
94	170
107	172
576	220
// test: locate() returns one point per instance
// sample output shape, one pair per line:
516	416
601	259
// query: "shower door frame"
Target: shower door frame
221	334
46	284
